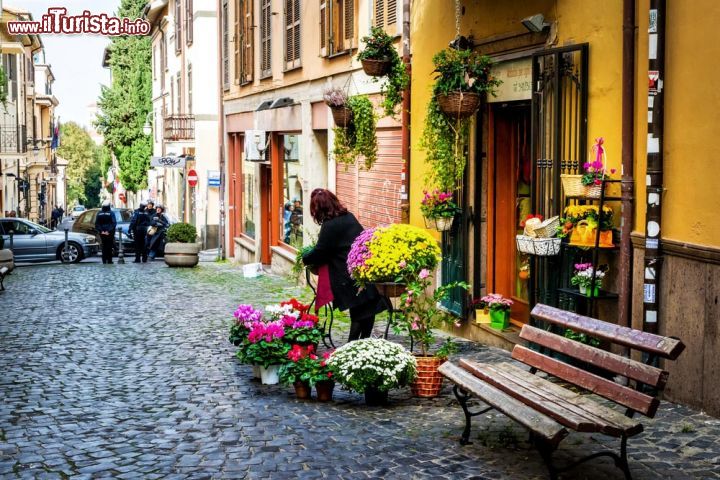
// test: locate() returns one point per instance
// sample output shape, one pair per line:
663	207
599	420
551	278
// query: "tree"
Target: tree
124	106
81	153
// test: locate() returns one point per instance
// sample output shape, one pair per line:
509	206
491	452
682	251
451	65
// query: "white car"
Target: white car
77	210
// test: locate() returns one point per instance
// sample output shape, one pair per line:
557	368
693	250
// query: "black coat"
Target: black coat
105	222
332	248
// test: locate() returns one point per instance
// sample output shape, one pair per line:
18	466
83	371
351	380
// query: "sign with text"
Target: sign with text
213	178
516	77
167	162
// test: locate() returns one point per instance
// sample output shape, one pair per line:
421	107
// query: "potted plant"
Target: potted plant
305	370
583	279
379	59
373	366
422	315
581	223
482	312
358	139
245	316
499	307
337	100
267	349
438	209
181	249
462	77
385	256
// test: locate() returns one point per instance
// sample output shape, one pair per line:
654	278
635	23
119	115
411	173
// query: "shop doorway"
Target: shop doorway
509	180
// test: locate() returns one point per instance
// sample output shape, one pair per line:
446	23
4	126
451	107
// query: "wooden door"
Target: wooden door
509	193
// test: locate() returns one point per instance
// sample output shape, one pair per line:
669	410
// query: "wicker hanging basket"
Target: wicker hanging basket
459	105
343	116
441	224
376	68
573	187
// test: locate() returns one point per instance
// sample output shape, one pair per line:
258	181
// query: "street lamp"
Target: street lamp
147	128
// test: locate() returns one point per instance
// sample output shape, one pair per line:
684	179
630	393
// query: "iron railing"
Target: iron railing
179	127
13	138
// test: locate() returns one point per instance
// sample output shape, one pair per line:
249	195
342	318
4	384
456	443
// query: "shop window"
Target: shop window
248	198
292	220
244	60
292	34
337	26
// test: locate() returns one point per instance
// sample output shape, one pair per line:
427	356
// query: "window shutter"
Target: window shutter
178	26
297	33
189	21
292	33
380	13
265	39
248	42
226	45
349	23
237	45
189	89
390	13
324	23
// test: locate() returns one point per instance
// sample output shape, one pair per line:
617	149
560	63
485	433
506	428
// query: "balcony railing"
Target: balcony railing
13	139
179	127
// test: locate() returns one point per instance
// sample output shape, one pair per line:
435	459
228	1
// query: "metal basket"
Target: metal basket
441	224
542	247
548	228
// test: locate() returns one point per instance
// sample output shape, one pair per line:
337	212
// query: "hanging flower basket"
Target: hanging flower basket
542	247
441	224
343	116
459	104
573	187
376	68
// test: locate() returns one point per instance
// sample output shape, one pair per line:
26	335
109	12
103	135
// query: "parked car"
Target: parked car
85	223
35	243
77	211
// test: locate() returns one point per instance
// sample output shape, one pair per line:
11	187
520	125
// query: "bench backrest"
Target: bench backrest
632	369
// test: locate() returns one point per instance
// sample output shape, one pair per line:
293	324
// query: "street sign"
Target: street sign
192	177
213	178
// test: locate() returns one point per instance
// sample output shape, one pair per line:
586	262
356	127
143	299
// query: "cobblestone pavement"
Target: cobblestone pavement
124	371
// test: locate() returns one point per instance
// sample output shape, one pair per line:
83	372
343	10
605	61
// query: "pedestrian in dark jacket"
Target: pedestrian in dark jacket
156	242
139	224
105	224
338	229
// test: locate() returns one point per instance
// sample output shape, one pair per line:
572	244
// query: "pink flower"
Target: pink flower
598	181
457	324
415	326
424	273
402	264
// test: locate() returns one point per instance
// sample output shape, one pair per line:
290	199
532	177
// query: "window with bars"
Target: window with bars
178	26
189	89
385	15
337	26
225	45
265	38
292	34
188	22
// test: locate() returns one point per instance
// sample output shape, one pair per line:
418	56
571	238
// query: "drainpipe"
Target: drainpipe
405	118
628	147
221	137
653	249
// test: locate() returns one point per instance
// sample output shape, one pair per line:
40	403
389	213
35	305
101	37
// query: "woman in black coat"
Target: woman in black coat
338	229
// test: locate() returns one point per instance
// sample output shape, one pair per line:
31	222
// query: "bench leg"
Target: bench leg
546	450
462	398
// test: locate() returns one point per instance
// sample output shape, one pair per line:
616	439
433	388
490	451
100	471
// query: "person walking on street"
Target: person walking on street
159	226
105	224
138	228
54	218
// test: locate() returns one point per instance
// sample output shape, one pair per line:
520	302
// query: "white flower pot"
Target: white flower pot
256	371
269	375
583	289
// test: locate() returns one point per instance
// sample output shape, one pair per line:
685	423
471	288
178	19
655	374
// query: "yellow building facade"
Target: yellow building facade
508	130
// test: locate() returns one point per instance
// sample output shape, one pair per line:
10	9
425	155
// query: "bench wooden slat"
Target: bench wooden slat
596	356
608	421
647	342
628	397
538	423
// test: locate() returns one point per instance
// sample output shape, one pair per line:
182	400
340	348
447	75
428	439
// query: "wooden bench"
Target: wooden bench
547	409
3	271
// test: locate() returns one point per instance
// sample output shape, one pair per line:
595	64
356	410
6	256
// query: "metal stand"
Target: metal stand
121	255
391	319
462	397
546	450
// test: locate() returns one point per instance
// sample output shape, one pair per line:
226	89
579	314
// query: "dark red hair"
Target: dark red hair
324	205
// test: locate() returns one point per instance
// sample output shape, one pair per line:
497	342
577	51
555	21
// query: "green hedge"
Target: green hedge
181	233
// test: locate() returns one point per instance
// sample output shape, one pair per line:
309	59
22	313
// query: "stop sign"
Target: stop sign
192	178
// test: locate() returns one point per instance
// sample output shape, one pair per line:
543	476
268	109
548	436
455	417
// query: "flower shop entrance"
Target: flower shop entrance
509	180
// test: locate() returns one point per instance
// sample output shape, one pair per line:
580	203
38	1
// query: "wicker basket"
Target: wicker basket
376	68
548	228
441	224
542	247
459	104
573	187
342	115
428	382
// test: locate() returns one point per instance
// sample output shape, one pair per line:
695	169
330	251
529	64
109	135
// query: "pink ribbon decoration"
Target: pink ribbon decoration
598	149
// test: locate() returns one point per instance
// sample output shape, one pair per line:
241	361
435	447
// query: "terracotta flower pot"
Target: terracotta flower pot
428	382
302	390
325	390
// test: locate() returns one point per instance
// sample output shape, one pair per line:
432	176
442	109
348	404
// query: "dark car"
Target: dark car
85	223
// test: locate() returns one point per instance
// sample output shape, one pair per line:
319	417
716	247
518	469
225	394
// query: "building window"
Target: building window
244	60
172	93
189	22
189	89
179	95
178	26
225	46
291	227
337	26
292	34
265	38
385	12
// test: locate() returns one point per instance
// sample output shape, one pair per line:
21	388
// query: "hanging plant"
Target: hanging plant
336	99
358	139
380	59
3	86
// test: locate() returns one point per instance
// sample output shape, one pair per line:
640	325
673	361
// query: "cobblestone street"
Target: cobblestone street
125	371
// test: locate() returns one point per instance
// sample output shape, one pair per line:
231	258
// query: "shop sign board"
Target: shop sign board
516	77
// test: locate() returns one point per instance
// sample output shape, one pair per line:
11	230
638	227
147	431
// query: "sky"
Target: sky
76	60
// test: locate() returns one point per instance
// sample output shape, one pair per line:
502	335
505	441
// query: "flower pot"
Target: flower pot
441	224
375	397
390	289
7	259
256	371
595	292
376	67
302	390
269	375
459	105
181	254
428	382
583	289
499	319
325	390
342	116
482	315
